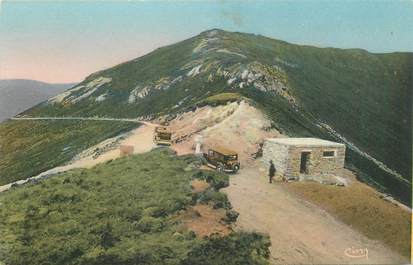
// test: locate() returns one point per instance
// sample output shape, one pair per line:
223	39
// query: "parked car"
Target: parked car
163	136
222	159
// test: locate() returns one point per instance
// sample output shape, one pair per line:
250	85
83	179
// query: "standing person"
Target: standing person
272	171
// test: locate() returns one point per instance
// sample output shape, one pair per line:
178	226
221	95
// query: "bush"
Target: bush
216	179
217	199
220	99
150	224
238	248
231	216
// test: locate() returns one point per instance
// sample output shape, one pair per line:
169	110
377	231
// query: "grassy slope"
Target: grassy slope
121	212
220	99
31	147
362	208
364	96
302	124
165	61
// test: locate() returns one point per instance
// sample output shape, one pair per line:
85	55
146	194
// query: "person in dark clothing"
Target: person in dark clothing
272	171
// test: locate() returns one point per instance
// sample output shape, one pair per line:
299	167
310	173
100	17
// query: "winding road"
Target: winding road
77	119
140	138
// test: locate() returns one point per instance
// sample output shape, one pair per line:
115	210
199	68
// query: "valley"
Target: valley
17	95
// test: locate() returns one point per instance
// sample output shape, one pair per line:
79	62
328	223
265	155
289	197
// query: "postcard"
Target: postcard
205	132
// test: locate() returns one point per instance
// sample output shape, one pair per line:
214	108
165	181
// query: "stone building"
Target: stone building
295	157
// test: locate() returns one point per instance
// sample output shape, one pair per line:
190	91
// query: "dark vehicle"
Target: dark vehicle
223	159
163	136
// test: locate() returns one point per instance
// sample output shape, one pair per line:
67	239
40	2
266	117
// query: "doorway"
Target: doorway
305	159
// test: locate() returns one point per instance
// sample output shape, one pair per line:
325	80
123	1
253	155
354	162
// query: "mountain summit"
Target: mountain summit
352	96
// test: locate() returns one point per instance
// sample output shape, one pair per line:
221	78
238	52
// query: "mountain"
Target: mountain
17	95
348	95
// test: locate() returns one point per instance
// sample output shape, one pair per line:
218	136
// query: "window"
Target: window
329	153
165	136
231	157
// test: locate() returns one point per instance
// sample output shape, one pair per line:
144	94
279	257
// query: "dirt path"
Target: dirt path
301	233
141	139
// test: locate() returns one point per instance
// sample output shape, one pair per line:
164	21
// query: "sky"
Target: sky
65	41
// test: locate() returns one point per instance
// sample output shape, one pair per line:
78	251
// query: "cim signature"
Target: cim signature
357	252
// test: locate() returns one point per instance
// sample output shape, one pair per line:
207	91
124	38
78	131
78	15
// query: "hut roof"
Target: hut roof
304	142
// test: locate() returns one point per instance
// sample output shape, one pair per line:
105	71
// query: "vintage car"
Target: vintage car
163	136
222	159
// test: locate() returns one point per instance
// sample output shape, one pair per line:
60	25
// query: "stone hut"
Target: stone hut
295	157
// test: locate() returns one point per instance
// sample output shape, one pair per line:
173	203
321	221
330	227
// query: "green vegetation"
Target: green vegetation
364	96
232	250
28	148
364	209
121	212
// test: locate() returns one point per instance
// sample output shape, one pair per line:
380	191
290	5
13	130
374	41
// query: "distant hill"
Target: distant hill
348	95
17	95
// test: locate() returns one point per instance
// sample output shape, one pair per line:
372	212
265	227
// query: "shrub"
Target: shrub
150	224
238	248
217	199
217	180
220	99
231	216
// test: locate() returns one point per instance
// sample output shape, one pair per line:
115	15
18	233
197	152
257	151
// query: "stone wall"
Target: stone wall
287	158
276	152
317	163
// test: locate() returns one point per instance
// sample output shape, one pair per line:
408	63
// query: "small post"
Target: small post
198	144
126	150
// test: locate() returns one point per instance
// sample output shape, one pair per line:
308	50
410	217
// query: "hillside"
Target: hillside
268	209
351	96
17	95
133	210
28	148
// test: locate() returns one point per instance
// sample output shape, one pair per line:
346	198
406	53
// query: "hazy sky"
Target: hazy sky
64	41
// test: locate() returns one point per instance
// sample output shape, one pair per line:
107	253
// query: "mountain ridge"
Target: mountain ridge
37	81
17	95
364	97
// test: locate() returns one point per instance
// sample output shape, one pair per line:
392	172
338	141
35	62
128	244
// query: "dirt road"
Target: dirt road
141	139
301	233
73	119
